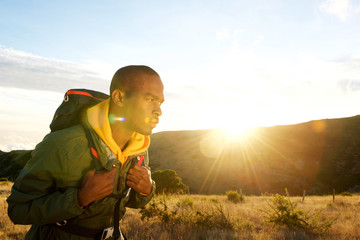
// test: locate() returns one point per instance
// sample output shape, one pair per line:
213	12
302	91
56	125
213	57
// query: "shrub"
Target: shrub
284	212
234	196
168	181
214	216
347	194
158	209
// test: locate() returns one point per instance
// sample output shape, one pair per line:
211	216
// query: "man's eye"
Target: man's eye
153	100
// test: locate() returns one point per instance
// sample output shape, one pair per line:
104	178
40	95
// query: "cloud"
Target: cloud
258	40
226	34
223	35
32	87
16	146
239	84
343	9
24	70
349	85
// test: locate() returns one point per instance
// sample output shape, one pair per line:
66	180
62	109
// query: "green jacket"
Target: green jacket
45	191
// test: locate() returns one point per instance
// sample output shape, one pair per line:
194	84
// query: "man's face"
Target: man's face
142	108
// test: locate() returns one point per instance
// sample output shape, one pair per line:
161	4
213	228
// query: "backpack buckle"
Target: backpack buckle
62	223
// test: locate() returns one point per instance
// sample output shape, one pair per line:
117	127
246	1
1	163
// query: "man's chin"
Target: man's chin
146	132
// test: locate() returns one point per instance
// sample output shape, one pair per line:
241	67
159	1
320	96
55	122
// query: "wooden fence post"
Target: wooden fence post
304	193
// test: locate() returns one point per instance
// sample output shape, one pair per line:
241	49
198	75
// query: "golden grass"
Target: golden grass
7	229
249	221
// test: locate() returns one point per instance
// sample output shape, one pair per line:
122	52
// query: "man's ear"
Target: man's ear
118	97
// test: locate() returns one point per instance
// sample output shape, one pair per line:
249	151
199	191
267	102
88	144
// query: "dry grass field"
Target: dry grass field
7	229
215	217
246	220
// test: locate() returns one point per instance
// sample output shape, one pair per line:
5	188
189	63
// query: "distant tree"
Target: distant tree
168	181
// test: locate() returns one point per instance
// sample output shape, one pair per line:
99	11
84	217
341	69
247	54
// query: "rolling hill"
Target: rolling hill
315	156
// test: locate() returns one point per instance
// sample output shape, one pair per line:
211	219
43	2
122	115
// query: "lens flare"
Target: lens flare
121	119
152	120
113	119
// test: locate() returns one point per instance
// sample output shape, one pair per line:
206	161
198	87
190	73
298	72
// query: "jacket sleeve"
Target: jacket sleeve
39	195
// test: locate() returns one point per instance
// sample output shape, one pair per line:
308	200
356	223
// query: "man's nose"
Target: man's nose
157	110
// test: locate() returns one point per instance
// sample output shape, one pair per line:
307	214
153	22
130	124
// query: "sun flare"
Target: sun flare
236	134
237	129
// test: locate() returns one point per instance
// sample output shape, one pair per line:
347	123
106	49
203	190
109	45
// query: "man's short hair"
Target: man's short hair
126	79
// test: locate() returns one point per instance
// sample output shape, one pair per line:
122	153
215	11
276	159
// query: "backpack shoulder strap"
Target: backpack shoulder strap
92	146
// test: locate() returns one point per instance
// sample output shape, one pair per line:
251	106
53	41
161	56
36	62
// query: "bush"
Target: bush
185	213
158	209
234	196
284	212
168	181
346	194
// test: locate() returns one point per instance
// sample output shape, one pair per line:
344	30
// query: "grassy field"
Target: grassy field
215	217
7	229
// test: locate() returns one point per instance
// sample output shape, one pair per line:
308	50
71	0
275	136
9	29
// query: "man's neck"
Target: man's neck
121	136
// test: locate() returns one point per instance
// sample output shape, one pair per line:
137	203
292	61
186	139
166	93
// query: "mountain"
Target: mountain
315	156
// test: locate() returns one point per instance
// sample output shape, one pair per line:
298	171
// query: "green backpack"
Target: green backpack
71	112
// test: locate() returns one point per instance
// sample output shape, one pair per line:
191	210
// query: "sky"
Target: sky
225	64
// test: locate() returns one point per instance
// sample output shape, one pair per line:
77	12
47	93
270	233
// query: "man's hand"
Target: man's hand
96	185
139	179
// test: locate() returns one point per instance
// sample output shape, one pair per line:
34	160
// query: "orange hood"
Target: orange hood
99	121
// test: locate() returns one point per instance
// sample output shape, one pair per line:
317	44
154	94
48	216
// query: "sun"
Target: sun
237	129
238	133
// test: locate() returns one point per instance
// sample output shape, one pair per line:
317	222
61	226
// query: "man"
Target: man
60	193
